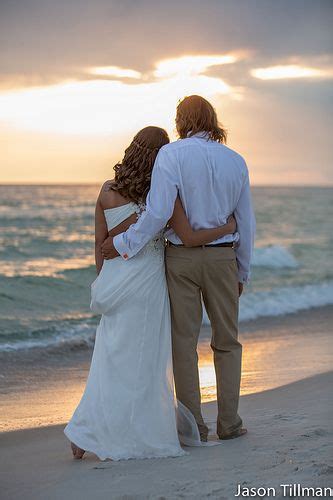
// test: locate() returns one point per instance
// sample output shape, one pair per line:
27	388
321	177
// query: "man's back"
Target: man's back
210	177
212	181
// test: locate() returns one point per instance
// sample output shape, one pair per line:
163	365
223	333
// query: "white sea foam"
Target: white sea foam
274	257
284	300
69	336
277	302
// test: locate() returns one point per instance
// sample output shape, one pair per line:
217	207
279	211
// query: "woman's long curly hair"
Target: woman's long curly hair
133	173
195	114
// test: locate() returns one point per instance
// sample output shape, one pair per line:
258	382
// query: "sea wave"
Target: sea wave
274	257
62	337
45	213
276	302
283	300
46	267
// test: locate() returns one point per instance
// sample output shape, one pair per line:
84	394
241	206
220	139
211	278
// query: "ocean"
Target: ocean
47	261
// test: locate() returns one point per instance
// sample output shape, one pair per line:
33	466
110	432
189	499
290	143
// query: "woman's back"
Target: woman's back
110	198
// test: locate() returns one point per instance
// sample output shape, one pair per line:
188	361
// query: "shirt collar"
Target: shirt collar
199	135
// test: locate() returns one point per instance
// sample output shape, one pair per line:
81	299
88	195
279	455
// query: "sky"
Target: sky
79	78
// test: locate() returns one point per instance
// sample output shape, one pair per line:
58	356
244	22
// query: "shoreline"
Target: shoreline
39	388
288	442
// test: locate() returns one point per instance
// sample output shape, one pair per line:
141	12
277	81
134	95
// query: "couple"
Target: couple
165	242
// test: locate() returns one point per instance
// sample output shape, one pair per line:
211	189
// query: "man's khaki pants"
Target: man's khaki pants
210	274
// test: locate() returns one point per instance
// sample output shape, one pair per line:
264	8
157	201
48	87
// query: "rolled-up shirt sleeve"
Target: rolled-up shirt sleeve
159	208
246	227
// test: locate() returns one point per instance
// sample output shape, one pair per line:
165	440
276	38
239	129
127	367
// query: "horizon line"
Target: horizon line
96	183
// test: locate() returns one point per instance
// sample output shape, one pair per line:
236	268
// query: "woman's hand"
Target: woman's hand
231	224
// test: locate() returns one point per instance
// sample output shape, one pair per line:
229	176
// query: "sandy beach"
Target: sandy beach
286	407
288	442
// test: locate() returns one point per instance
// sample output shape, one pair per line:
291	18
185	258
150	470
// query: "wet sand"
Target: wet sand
41	388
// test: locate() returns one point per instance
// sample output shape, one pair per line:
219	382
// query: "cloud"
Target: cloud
111	67
288	71
115	71
191	65
47	37
108	105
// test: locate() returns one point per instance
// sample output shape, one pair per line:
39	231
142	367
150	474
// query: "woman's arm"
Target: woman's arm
190	238
123	226
101	233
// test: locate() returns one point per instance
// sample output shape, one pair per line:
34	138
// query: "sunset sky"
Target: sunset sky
78	78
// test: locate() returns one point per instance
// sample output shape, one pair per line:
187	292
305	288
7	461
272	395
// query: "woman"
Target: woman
128	408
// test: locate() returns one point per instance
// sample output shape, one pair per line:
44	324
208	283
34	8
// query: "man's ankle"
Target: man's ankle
204	438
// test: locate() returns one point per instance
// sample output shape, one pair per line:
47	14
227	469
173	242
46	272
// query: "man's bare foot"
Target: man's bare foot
77	452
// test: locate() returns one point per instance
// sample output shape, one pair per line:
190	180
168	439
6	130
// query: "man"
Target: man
213	182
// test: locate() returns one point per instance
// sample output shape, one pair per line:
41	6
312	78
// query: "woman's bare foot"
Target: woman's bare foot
77	452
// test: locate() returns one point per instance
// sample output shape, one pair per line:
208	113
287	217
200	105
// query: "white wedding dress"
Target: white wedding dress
128	409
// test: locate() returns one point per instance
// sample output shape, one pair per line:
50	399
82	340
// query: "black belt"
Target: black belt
230	244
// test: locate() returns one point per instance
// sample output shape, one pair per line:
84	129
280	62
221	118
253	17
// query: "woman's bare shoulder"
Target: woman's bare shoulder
110	198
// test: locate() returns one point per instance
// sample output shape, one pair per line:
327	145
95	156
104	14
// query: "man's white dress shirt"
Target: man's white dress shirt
212	181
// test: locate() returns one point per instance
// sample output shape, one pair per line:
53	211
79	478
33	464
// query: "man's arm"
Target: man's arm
246	226
159	208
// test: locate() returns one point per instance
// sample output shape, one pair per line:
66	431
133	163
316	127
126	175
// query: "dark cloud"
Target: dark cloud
47	37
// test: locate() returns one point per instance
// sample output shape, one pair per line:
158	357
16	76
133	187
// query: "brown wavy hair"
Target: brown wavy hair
133	173
195	114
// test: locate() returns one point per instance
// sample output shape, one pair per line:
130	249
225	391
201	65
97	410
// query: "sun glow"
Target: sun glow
114	71
191	65
290	71
110	105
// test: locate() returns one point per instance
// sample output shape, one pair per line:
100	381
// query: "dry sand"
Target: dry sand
288	442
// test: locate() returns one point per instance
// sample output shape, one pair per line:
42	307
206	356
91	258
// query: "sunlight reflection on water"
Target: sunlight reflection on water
270	362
